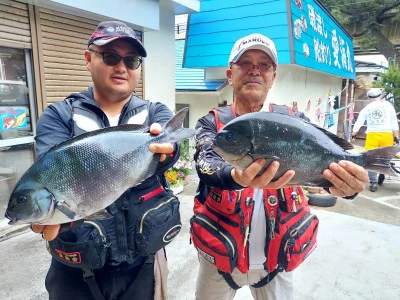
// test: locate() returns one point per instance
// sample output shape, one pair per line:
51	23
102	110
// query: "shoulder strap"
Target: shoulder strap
139	283
223	115
229	280
267	279
88	277
280	108
264	281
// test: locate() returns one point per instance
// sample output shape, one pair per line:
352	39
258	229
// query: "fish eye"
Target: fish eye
229	136
21	200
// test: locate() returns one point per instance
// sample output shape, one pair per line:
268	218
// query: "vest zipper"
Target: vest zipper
222	217
94	225
292	215
222	234
295	230
154	208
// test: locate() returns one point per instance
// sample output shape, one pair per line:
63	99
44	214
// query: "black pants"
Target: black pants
65	283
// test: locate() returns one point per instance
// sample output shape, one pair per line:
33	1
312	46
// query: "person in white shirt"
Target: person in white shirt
382	127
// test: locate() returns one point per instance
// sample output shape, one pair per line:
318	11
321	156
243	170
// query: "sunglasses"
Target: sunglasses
113	59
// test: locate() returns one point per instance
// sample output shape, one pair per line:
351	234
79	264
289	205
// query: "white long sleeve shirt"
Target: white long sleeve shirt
380	116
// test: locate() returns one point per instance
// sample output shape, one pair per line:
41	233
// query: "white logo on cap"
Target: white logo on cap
122	29
110	29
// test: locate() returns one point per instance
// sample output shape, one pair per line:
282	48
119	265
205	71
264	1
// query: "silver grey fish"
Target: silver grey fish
85	174
297	144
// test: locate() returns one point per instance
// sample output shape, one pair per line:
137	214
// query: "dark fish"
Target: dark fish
297	145
83	175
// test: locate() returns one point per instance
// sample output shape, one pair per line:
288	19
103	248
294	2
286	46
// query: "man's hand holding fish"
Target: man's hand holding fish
347	178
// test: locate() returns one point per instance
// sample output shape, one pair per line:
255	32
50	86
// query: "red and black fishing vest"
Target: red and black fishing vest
221	225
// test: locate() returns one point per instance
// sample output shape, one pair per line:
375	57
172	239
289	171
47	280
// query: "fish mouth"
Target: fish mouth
13	220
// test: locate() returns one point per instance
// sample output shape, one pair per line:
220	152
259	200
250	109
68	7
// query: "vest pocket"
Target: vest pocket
227	202
158	226
299	241
214	243
295	241
84	247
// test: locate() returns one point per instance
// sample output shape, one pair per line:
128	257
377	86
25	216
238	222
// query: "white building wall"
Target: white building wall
295	83
292	83
159	75
199	104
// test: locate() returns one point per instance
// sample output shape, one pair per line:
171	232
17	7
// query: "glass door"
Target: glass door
17	119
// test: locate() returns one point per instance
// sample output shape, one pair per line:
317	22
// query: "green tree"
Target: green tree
390	81
364	19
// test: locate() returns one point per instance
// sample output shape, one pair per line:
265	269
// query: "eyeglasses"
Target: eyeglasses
113	59
247	66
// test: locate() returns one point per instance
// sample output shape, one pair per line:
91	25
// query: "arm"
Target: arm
395	123
360	122
211	168
52	128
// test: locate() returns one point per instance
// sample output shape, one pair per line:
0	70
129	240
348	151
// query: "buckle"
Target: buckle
87	274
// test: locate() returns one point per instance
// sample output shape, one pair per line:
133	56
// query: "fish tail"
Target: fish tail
378	160
174	128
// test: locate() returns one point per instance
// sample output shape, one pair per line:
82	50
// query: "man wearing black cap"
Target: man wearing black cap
118	268
382	127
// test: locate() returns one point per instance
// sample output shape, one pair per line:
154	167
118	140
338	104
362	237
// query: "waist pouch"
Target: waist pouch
158	226
87	250
152	220
294	238
214	242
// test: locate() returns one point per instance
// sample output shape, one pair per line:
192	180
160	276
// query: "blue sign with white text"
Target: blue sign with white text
319	43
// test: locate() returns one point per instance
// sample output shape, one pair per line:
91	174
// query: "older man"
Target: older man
236	213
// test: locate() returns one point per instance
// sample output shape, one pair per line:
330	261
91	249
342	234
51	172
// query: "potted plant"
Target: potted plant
179	174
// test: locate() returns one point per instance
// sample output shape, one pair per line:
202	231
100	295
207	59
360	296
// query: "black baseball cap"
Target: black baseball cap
109	31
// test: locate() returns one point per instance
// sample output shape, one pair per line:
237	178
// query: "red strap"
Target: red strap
217	121
151	194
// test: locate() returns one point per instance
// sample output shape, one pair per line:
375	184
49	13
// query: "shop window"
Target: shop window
17	119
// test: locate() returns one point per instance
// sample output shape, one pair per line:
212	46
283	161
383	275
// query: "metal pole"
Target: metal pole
345	111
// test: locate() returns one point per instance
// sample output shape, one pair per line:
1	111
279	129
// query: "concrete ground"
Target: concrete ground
357	256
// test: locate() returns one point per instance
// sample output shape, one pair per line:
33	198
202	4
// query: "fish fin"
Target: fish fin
176	121
100	215
268	162
243	162
61	206
338	140
322	182
378	160
173	128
